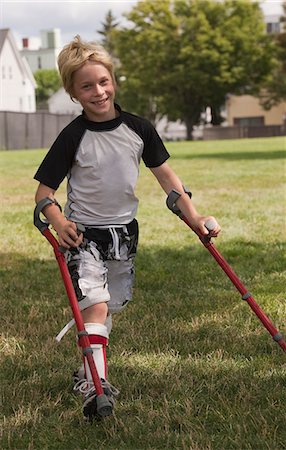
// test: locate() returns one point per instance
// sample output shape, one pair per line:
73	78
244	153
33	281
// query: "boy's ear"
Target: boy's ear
72	96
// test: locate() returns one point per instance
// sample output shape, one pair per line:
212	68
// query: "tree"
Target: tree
275	87
48	81
107	32
139	50
181	56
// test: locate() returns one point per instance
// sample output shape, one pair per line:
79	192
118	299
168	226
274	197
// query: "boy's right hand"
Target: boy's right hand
68	234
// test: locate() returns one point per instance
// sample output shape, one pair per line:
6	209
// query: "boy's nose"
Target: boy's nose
98	90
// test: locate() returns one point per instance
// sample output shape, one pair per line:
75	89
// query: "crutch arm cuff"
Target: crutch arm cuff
42	225
172	200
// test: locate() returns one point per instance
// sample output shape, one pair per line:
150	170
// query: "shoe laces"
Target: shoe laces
86	387
112	390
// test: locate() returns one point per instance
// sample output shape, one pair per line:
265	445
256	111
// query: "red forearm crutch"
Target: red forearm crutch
206	241
104	407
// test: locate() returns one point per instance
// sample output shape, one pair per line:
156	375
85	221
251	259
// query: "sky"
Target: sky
26	18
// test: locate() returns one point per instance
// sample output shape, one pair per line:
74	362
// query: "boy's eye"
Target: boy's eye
104	81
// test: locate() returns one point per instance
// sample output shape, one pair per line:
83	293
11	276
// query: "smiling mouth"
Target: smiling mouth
100	102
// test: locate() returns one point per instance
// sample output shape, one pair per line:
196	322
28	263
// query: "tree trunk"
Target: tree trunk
189	125
216	116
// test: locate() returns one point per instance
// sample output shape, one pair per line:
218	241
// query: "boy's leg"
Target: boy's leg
98	337
89	275
97	282
80	373
94	318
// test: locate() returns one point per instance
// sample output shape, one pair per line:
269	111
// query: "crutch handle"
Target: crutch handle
210	224
79	229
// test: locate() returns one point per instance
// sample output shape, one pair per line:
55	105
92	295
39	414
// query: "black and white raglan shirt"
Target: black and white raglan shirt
101	162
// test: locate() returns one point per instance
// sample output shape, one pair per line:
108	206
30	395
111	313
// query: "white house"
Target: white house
61	103
46	56
17	86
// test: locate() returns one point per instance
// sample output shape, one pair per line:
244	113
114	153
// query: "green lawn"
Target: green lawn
195	367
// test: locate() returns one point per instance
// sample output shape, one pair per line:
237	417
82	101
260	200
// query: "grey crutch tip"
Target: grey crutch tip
104	407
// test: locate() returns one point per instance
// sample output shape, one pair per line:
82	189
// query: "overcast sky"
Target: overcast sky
27	18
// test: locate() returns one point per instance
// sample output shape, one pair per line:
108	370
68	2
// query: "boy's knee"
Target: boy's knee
95	313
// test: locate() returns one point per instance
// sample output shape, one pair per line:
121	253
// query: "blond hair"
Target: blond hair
75	54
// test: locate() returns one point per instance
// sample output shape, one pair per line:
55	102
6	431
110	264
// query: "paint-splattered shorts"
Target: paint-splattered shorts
102	268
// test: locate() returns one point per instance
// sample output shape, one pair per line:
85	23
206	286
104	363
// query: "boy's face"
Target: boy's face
94	89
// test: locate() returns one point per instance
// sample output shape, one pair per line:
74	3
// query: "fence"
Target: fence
30	130
39	130
214	133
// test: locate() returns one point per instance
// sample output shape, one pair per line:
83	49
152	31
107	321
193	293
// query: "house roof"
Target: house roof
3	35
6	34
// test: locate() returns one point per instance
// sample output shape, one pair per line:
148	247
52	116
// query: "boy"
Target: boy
99	152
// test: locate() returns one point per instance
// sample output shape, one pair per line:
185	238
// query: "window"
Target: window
249	121
39	62
273	27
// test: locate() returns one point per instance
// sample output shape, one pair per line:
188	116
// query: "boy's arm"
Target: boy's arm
168	181
66	230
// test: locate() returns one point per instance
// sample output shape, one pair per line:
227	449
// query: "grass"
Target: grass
195	367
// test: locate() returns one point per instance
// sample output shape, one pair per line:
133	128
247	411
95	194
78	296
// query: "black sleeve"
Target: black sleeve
155	152
59	158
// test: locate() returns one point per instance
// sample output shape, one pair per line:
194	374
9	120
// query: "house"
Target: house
46	56
273	24
17	87
61	103
246	110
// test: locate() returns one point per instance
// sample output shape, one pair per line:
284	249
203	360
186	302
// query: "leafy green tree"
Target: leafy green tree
180	56
48	82
275	88
141	50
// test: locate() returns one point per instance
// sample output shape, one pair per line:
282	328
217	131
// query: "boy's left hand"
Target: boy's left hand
206	226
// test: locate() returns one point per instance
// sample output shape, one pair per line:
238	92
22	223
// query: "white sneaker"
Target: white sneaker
87	389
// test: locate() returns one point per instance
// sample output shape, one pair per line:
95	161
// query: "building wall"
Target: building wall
17	92
44	58
246	106
51	38
61	103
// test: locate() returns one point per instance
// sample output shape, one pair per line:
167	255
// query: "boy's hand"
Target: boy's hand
206	226
68	234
